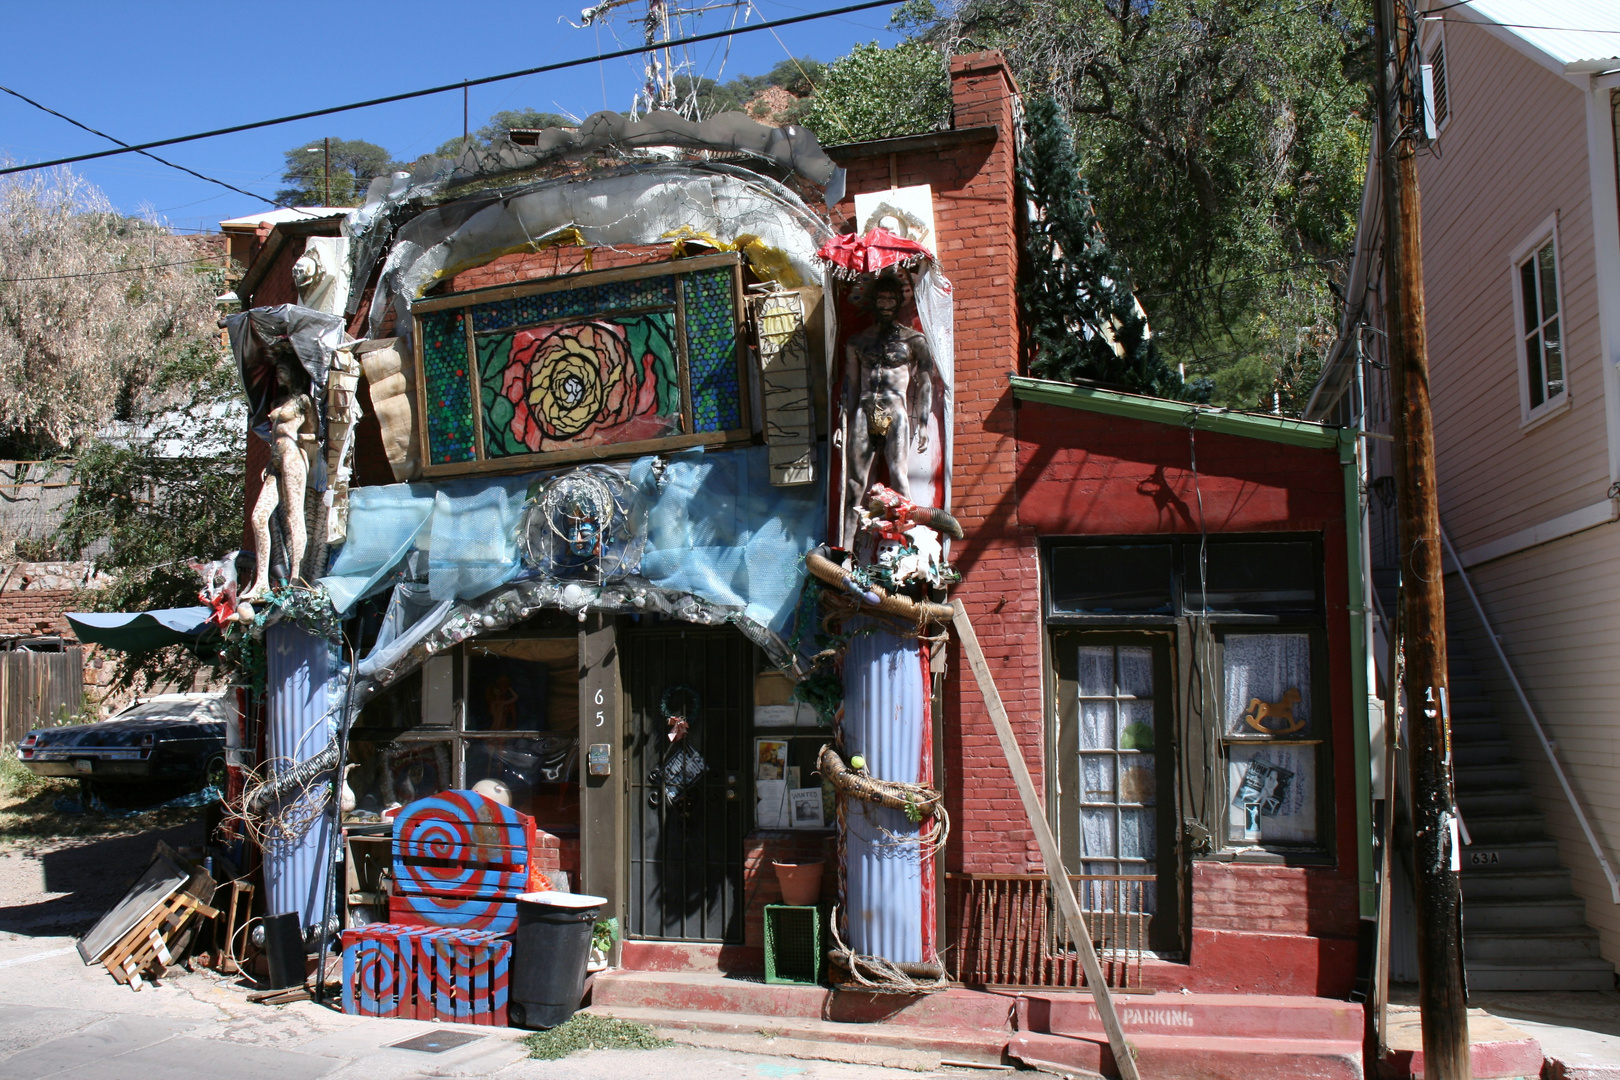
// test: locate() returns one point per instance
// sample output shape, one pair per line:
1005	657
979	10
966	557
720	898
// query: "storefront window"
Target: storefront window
502	710
1241	623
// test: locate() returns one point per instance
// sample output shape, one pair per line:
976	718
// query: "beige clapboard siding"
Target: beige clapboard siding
1557	611
1513	154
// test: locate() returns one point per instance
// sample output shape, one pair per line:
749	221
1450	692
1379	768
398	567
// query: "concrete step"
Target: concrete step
1496	1049
1483	729
1263	1016
706	992
1465	710
1499	799
1522	855
1566	974
1488	827
1194	1057
1517	947
1472	777
1544	884
964	1044
1529	916
1482	752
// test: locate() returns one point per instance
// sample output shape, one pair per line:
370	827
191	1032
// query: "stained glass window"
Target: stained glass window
642	361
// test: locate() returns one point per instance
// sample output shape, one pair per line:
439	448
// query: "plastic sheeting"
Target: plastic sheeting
931	470
884	718
719	530
725	547
384	524
314	338
474	542
632	205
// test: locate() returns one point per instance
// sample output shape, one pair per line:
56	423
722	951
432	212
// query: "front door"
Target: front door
686	832
1116	775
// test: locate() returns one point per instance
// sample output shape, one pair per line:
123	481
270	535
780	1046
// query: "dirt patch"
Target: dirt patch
60	871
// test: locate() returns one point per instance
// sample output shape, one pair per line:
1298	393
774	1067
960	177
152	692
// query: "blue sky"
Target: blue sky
148	70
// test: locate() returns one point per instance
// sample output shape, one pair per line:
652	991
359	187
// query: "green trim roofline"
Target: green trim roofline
1180	414
1280	429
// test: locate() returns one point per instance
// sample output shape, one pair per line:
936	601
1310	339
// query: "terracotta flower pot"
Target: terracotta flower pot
801	882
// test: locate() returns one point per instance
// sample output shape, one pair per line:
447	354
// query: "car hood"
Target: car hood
127	732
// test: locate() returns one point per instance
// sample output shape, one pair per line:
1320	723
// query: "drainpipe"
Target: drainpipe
1350	451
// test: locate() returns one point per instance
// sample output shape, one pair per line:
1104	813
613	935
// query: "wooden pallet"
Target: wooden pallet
154	940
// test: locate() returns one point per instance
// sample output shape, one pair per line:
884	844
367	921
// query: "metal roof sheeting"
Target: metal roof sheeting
1578	34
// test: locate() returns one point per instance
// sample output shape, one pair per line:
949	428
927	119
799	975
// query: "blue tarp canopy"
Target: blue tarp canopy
142	631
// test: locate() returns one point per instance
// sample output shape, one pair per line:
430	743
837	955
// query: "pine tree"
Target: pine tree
1081	317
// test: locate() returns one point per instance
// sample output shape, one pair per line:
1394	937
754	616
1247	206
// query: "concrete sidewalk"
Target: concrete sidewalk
64	1021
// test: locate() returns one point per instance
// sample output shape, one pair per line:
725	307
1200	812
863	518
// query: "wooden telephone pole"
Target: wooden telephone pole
1436	884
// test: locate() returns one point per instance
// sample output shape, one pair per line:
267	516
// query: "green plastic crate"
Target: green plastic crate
794	954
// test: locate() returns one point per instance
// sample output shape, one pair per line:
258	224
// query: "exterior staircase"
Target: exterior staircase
1523	926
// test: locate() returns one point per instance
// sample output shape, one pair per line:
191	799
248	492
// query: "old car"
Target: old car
168	737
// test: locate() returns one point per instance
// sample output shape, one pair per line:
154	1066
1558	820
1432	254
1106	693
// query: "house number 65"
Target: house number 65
600	719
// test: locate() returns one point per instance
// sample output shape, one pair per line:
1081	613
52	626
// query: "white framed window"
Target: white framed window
1436	82
1538	304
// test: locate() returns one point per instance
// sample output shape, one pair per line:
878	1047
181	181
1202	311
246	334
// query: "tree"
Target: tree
1081	318
109	354
92	305
502	122
1224	144
355	163
876	93
160	492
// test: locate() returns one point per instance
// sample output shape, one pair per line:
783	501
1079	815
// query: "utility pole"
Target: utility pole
1436	884
326	146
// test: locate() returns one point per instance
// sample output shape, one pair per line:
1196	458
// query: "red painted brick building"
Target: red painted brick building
1044	472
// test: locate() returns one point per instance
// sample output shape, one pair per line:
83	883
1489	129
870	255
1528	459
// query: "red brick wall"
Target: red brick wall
1031	471
36	613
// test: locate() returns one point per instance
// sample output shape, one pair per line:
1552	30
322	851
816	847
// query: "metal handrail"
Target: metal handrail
1546	743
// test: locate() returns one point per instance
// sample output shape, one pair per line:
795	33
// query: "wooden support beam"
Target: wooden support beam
1062	888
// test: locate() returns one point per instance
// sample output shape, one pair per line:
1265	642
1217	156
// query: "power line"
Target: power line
105	273
446	88
143	153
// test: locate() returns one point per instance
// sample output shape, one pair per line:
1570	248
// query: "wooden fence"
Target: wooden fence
1006	929
36	688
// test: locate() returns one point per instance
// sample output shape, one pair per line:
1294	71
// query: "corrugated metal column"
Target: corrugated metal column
884	716
301	684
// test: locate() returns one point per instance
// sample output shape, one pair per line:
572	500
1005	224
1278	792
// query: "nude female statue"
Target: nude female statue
285	479
889	395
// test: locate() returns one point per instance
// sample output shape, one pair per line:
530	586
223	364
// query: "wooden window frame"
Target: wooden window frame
1532	415
1181	625
676	268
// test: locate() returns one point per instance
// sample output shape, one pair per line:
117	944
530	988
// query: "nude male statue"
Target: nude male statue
888	395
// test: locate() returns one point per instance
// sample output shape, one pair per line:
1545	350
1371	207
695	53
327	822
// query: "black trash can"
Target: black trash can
549	954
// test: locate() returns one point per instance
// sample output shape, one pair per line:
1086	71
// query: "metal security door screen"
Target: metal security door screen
686	853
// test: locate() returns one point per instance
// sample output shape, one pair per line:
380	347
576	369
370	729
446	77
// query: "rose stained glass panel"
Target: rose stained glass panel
594	382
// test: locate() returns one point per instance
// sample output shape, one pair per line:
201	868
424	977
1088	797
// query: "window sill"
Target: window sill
1537	417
